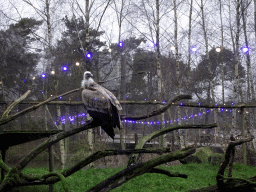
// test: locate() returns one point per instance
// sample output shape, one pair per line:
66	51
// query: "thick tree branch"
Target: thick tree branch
230	148
133	159
139	169
159	111
5	120
167	173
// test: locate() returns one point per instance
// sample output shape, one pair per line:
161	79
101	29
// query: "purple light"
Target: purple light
42	92
64	68
199	114
207	111
199	103
71	118
232	103
181	103
163	102
222	109
145	99
43	75
120	44
157	122
191	115
24	80
60	97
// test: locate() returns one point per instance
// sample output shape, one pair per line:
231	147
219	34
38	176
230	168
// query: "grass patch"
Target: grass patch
199	175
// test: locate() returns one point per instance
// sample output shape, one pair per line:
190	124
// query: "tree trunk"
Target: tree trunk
207	52
182	141
62	145
250	87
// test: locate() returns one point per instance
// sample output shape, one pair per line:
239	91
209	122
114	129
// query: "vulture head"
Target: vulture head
86	82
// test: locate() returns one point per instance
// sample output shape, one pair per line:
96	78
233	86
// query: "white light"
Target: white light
245	49
109	50
52	72
218	49
172	48
34	78
194	49
77	64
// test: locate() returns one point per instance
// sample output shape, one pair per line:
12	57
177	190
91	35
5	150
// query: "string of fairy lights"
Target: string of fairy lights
81	117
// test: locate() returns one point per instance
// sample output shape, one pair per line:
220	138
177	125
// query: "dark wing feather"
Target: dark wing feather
95	101
103	107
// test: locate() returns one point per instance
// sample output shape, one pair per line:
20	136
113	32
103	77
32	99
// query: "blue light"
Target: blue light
24	80
181	103
222	109
43	75
120	44
199	103
157	122
145	99
232	103
64	68
163	102
207	111
60	97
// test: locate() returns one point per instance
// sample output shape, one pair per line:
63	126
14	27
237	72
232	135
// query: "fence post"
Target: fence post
66	140
51	165
243	115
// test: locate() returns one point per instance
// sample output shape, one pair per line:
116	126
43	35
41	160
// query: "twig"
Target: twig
8	110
